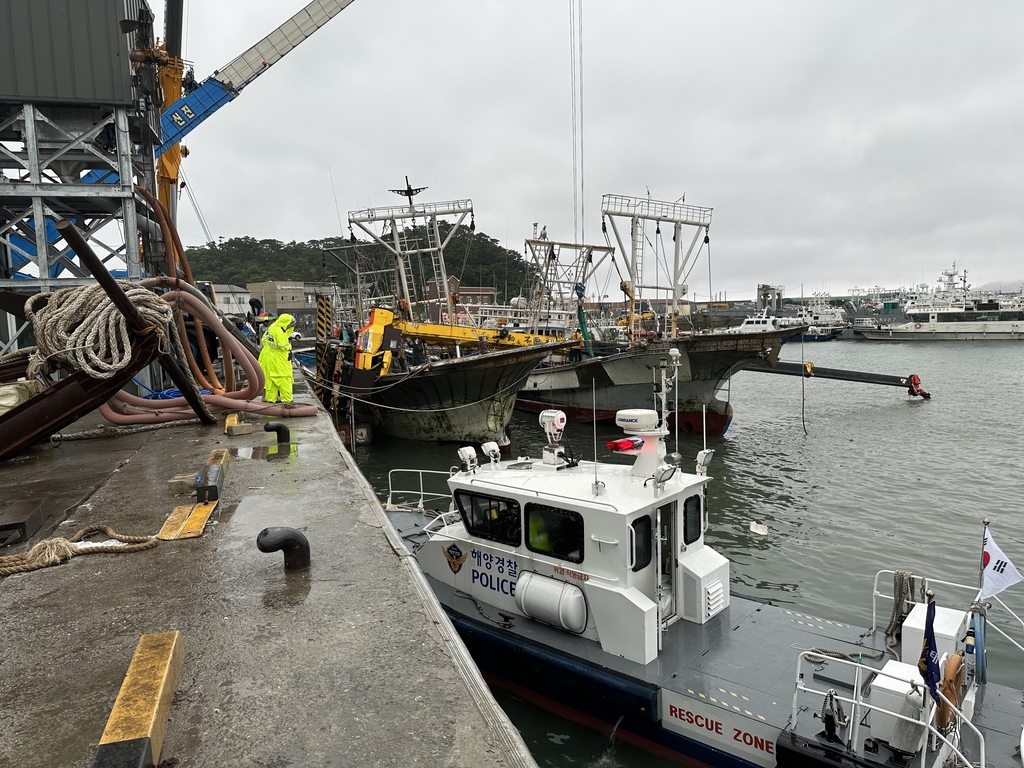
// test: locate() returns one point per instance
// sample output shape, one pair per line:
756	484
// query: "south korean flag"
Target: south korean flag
998	572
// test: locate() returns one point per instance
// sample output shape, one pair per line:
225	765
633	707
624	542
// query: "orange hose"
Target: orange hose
174	249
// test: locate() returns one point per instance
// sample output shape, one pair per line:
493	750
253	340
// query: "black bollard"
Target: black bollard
294	544
283	434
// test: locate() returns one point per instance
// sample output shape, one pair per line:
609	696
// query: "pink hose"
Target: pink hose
126	408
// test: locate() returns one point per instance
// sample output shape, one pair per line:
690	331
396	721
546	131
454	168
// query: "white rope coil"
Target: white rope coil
81	329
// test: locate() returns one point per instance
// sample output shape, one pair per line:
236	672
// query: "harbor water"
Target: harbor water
848	478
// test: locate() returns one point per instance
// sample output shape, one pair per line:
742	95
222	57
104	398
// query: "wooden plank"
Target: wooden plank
193	527
174	522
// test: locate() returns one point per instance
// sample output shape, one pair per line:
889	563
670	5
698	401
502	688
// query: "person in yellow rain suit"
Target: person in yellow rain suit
274	360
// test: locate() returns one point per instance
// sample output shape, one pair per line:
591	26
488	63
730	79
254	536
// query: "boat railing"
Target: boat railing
860	708
926	584
415	494
421	210
644	208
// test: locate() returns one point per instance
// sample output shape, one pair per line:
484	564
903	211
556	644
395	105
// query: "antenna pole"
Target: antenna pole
984	541
675	399
593	397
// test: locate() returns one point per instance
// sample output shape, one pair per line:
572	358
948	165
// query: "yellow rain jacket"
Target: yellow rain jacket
274	359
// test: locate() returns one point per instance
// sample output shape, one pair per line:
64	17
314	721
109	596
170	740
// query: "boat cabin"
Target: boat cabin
610	552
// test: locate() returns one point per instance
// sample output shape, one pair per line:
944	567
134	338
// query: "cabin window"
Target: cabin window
691	520
555	532
642	543
490	517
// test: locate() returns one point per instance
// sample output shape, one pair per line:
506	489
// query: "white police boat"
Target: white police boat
588	589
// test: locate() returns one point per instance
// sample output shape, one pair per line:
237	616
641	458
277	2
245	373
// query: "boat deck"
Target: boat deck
350	662
742	664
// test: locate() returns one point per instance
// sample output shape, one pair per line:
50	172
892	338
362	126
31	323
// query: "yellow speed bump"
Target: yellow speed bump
186	521
138	722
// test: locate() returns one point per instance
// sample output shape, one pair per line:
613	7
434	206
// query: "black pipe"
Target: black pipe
809	370
172	27
78	244
293	542
283	434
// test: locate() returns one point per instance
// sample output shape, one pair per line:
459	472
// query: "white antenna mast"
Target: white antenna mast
598	485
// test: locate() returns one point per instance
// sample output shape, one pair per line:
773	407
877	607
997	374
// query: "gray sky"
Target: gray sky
840	144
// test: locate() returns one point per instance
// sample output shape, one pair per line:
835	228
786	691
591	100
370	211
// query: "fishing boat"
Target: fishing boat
612	375
761	323
954	313
998	320
823	321
595	388
465	397
588	589
431	381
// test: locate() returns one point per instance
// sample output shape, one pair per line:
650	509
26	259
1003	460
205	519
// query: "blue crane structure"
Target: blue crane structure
180	118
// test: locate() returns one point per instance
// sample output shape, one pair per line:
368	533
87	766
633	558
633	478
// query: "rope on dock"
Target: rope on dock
59	437
59	550
81	328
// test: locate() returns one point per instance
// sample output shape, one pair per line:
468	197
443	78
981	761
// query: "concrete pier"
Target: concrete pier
350	662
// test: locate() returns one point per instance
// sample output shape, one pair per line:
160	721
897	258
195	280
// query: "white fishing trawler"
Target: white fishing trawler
955	313
588	589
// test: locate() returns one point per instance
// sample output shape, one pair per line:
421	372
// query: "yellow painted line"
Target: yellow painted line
193	527
220	456
174	522
144	701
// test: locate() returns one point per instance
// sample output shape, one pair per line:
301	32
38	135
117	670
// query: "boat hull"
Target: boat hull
928	334
469	399
581	692
595	388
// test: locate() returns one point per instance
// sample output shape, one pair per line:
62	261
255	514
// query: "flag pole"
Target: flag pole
984	540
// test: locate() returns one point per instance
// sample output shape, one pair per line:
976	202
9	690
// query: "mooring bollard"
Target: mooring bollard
293	542
283	434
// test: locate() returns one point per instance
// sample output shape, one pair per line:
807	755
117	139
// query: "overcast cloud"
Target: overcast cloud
840	144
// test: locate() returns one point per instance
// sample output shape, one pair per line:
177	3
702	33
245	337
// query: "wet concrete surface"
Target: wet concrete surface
340	665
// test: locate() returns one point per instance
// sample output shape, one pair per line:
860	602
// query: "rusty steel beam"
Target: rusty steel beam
78	244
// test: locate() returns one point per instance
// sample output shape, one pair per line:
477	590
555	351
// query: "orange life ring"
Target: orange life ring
917	325
952	683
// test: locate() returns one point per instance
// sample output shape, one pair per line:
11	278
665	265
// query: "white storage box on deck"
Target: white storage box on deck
889	691
950	627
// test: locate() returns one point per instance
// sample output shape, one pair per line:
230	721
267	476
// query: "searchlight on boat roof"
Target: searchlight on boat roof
467	455
704	459
492	450
553	423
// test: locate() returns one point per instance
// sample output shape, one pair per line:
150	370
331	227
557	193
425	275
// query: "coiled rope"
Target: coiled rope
59	550
80	328
902	597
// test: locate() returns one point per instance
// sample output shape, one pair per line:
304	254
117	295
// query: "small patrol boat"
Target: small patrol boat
588	589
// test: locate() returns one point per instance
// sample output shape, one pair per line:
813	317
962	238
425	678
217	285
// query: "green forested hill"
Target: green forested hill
242	260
